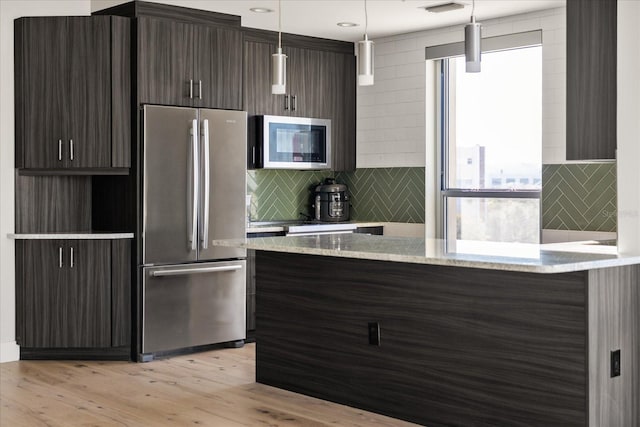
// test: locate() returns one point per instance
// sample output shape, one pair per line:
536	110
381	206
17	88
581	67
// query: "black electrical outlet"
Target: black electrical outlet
374	333
615	363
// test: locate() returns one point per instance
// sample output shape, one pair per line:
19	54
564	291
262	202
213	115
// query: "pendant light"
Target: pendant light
365	55
279	62
472	48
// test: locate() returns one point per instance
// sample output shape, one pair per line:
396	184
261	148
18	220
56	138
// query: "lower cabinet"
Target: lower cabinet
73	294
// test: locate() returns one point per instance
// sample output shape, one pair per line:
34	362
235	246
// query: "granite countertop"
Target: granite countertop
485	255
70	236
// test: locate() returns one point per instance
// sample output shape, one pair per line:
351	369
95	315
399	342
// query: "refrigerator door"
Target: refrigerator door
170	184
193	304
223	143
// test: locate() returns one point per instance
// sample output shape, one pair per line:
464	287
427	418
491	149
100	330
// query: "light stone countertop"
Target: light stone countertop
485	255
70	236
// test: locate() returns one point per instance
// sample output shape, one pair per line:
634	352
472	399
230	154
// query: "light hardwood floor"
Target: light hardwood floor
215	388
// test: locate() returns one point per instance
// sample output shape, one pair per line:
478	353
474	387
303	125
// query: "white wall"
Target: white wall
628	129
9	10
391	113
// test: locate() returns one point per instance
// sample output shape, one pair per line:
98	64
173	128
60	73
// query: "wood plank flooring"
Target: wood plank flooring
215	388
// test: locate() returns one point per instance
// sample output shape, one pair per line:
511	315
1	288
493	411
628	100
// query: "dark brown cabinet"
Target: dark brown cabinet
189	65
591	79
73	294
70	111
320	84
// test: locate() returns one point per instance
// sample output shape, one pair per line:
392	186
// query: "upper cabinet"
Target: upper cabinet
320	84
72	93
189	65
591	79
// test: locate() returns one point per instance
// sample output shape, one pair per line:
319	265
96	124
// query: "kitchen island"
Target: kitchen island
451	333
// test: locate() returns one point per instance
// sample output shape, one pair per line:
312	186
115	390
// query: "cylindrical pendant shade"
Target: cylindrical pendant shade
278	72
472	48
365	62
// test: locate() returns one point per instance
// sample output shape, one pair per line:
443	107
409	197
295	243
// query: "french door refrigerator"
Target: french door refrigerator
193	191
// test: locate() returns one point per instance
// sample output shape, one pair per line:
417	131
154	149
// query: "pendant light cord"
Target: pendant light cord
473	11
366	20
280	23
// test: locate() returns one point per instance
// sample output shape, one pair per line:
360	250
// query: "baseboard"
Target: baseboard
9	352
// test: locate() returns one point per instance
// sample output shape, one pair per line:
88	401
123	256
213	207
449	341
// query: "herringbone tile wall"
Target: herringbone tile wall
385	195
281	194
579	197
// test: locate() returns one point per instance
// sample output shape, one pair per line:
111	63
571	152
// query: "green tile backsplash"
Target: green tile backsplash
385	195
579	197
574	196
281	194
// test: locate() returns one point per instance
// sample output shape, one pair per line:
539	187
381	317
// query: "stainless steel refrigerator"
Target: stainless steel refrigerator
193	191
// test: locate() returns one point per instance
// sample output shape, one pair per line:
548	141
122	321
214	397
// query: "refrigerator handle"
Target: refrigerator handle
206	177
193	238
185	271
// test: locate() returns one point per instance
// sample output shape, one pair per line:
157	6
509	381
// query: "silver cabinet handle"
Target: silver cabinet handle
60	150
286	102
60	257
205	207
191	88
253	156
194	209
294	103
71	149
71	258
181	272
200	89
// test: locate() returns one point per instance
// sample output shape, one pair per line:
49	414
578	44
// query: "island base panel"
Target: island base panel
458	346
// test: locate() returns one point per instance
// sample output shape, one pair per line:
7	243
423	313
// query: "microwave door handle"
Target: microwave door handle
194	207
206	191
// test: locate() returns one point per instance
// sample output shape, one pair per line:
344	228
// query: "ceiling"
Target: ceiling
386	17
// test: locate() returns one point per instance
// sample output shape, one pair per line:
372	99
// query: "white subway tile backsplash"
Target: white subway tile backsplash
409	44
391	114
410	70
527	25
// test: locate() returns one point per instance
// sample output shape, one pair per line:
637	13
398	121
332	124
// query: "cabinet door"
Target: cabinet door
218	68
257	80
591	79
88	105
67	294
88	311
343	107
165	62
44	279
41	91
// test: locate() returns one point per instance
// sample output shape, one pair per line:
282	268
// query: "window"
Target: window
490	129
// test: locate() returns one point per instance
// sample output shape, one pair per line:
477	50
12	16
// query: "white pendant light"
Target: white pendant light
365	55
279	62
472	38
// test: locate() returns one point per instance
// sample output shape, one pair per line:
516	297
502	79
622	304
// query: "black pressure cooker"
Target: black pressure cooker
331	202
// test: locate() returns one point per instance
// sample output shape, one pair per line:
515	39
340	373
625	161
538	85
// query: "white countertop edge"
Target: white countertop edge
70	236
280	228
266	229
517	265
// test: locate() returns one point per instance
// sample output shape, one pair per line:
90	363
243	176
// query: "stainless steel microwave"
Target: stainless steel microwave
295	142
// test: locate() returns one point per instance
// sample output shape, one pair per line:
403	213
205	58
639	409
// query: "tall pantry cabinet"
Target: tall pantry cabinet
72	124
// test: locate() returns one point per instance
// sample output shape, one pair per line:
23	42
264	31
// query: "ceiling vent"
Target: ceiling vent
444	7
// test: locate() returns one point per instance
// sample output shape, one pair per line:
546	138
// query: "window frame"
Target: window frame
440	54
